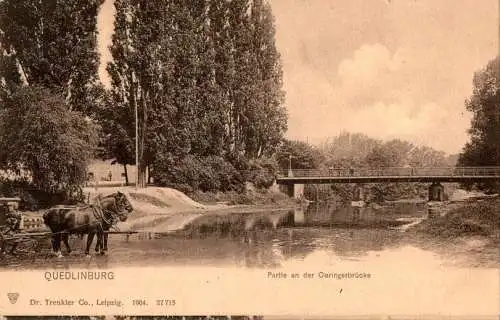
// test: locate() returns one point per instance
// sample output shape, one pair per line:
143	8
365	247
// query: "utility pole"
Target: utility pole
136	147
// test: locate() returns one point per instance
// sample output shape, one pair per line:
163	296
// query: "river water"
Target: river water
337	232
360	255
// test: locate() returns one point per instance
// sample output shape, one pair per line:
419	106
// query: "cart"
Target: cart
11	240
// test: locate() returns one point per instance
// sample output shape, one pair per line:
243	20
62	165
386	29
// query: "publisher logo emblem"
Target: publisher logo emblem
13	296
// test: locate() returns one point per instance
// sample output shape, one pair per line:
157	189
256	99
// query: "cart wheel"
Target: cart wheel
27	245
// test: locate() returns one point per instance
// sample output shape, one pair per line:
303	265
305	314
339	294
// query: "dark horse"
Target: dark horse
93	219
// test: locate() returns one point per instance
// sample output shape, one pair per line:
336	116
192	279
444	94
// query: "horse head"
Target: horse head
115	205
123	205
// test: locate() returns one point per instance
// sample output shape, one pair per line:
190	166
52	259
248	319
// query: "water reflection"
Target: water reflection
256	240
332	214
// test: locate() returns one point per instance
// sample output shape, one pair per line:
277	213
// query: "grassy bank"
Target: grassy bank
479	218
251	197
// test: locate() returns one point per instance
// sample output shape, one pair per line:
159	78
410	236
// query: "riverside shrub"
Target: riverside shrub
191	173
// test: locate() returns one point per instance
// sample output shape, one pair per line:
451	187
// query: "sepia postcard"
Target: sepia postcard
249	159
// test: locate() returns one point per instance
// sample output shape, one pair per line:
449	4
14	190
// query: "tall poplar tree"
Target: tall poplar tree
53	44
205	77
269	120
137	72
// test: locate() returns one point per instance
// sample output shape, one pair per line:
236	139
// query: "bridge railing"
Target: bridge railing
394	172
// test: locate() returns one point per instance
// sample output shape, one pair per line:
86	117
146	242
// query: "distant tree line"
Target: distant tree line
357	150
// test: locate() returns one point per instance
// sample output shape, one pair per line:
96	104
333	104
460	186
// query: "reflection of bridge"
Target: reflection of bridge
383	175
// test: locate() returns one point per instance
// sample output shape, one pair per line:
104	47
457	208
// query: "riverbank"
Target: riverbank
168	210
161	210
468	232
251	196
174	227
475	217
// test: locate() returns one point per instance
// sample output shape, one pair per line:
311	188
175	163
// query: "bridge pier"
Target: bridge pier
359	192
295	191
436	192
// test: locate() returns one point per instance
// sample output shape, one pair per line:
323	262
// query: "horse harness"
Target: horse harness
100	214
104	215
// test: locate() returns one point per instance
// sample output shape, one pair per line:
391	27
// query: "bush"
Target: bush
44	139
223	176
190	173
262	172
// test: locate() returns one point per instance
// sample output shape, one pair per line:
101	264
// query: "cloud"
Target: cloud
406	66
375	92
368	62
372	75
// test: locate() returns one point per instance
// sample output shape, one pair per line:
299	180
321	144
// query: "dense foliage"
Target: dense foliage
483	149
298	155
48	90
205	78
52	44
206	174
43	140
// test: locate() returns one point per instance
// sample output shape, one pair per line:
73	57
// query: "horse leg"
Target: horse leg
90	238
105	238
65	238
98	244
100	235
56	244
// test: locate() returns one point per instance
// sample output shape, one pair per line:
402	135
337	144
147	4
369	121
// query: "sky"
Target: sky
387	68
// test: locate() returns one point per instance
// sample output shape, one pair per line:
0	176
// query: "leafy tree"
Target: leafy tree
268	121
208	127
49	84
262	172
303	155
52	44
483	149
249	75
117	142
136	78
424	156
44	140
348	149
451	160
